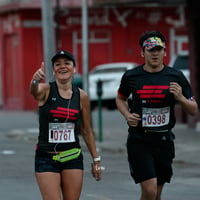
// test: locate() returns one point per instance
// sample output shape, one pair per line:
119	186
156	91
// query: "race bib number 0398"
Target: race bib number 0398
61	132
155	117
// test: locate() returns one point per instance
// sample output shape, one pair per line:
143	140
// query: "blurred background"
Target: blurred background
103	36
97	32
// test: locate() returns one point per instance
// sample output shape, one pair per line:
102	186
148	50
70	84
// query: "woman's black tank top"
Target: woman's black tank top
58	110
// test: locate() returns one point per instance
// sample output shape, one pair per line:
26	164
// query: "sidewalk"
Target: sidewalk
24	125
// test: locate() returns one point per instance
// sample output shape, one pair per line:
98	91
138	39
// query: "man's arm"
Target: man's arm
189	105
122	105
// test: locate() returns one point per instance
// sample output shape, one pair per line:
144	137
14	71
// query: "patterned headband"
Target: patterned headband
153	42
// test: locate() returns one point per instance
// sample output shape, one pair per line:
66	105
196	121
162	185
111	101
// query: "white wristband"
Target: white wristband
97	159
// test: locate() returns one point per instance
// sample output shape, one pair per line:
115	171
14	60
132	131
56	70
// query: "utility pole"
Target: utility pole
85	44
58	27
48	37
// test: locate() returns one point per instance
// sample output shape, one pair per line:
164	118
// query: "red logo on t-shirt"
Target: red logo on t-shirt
153	92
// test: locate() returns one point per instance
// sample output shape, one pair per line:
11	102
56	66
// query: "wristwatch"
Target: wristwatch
35	82
97	159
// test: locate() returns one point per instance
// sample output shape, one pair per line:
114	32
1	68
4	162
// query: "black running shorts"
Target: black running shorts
45	163
150	159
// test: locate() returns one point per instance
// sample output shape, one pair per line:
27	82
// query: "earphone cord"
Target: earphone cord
65	121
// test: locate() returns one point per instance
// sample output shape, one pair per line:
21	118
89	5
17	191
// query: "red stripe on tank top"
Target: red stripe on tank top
61	112
66	109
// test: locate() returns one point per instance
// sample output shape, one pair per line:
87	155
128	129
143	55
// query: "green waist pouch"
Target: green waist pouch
67	155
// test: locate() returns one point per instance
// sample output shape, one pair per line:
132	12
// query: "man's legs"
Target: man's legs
150	190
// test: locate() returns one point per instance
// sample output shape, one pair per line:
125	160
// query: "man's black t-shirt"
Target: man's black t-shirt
150	96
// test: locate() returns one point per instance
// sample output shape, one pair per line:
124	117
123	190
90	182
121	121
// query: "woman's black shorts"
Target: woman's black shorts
150	159
45	163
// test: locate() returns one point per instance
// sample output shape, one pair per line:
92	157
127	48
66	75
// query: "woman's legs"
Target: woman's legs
49	185
72	181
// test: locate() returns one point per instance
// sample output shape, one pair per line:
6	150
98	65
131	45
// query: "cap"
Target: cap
63	54
152	42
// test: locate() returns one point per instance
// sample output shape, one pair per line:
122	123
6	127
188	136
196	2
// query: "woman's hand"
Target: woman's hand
39	75
96	170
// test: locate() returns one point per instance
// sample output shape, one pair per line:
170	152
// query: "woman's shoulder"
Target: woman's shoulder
83	93
84	99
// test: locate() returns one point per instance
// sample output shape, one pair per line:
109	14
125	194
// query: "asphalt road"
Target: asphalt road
17	179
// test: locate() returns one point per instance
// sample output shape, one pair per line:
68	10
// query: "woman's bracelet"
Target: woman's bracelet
97	159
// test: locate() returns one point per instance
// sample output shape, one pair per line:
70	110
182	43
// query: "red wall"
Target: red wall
114	33
10	62
113	37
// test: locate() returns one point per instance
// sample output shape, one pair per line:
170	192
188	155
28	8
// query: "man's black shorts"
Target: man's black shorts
150	158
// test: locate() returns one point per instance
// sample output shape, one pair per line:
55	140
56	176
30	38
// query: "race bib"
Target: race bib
61	132
155	117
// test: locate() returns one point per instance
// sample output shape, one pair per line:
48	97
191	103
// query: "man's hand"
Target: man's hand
176	90
133	119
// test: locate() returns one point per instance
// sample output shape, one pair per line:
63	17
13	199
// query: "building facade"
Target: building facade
113	36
